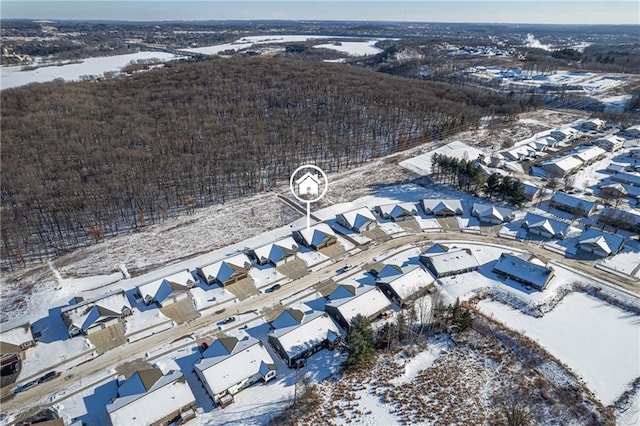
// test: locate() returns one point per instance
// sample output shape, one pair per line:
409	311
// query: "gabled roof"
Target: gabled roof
572	201
367	301
439	248
566	163
394	211
297	338
530	189
552	226
388	271
523	269
356	219
436	206
15	333
489	211
456	259
343	291
162	289
316	235
608	243
588	154
288	318
409	282
84	315
150	397
223	371
225	269
275	252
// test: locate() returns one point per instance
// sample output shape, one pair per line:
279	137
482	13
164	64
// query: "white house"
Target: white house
357	220
96	313
610	143
167	290
592	124
227	271
298	335
577	206
525	269
230	365
564	134
15	338
276	254
562	166
443	261
590	154
544	226
438	207
402	288
600	243
491	214
397	212
308	185
149	398
347	301
318	236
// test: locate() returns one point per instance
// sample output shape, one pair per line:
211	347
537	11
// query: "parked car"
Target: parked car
229	320
274	287
49	376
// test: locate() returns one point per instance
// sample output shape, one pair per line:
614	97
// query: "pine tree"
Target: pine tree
360	344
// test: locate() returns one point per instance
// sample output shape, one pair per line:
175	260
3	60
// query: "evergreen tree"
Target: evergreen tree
360	344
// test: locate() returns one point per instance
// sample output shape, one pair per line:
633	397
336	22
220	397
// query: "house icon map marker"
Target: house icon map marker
308	184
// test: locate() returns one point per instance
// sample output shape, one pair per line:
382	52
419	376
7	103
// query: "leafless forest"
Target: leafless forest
84	160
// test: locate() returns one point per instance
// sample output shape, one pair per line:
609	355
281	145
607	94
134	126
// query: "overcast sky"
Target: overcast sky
500	11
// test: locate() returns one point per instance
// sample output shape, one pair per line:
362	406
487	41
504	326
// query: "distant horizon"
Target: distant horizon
499	12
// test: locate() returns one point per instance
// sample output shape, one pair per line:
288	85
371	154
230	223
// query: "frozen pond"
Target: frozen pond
354	48
598	341
245	42
14	77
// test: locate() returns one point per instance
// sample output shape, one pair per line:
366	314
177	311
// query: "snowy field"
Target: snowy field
598	341
353	48
14	77
421	164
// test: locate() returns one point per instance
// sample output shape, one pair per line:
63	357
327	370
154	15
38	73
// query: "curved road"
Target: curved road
40	395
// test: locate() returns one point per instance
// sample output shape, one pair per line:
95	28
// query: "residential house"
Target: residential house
357	220
15	339
297	335
541	144
443	261
227	271
589	155
592	124
610	143
275	254
491	214
229	365
404	288
613	190
521	152
525	269
532	192
633	131
544	226
348	301
561	166
632	179
316	237
439	207
621	219
564	134
397	212
148	397
600	243
308	185
167	290
577	206
96	313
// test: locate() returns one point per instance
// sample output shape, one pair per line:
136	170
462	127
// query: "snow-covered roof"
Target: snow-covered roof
614	139
297	338
631	216
225	269
16	333
223	370
437	206
366	301
520	152
144	404
316	235
566	163
489	211
393	211
588	154
630	178
523	269
275	252
565	131
572	201
608	243
86	314
549	225
530	189
356	219
456	259
409	282
161	289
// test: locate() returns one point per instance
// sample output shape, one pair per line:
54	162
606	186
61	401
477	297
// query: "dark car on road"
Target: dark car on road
49	376
274	287
229	320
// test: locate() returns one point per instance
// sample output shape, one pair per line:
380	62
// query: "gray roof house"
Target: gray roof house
357	220
227	271
397	212
438	207
347	301
575	205
525	269
600	243
407	286
489	213
444	261
544	226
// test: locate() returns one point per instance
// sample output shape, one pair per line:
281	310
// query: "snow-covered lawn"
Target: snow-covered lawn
598	341
263	276
14	76
627	261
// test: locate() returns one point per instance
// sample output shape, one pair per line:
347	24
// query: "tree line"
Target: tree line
81	161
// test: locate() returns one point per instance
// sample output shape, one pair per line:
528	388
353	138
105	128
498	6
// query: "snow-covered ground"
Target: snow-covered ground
14	76
421	164
353	48
598	341
246	42
627	261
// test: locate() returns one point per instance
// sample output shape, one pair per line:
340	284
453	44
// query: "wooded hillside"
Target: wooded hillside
88	159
